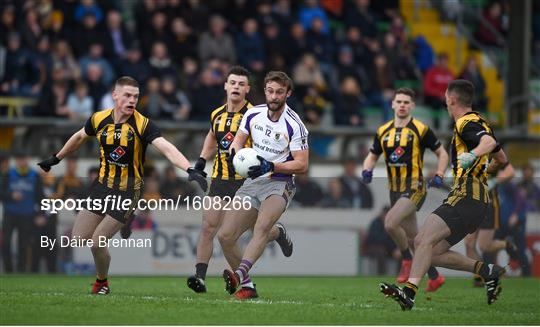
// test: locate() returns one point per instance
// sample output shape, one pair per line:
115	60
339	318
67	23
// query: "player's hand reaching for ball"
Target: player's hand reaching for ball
199	177
265	167
49	162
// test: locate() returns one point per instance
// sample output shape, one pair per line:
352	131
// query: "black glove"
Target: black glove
230	158
367	176
49	162
200	164
199	177
436	181
265	167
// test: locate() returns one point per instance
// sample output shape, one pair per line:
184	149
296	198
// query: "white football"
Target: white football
244	159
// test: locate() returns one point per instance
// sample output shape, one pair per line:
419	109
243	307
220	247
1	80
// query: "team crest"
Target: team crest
227	140
398	153
129	135
117	153
276	136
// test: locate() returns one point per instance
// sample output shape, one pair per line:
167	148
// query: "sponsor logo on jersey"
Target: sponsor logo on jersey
398	153
117	153
227	140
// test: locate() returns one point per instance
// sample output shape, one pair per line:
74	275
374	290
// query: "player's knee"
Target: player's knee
98	244
420	240
226	239
208	229
389	225
95	248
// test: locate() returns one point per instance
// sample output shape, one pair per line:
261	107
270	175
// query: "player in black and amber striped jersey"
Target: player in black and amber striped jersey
224	123
465	207
403	141
123	134
122	148
469	182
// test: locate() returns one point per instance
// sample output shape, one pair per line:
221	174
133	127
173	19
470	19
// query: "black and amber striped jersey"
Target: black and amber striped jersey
403	149
224	125
122	148
470	182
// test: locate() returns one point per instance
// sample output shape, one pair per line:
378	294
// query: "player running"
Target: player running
403	141
484	237
123	135
465	207
224	123
281	141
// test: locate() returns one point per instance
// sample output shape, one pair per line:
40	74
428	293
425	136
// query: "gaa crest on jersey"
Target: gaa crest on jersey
117	153
398	153
129	135
277	136
227	140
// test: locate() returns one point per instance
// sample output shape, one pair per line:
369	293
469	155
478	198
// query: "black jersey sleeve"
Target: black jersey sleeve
472	132
89	128
498	146
376	147
430	140
151	132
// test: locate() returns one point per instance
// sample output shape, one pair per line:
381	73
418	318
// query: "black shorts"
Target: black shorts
462	218
416	196
493	215
113	209
223	188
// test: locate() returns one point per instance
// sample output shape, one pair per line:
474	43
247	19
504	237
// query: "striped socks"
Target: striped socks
242	271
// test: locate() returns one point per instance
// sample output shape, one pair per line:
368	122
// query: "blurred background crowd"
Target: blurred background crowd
347	55
23	187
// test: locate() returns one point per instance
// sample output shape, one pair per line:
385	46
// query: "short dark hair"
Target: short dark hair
240	71
406	91
463	90
279	77
126	81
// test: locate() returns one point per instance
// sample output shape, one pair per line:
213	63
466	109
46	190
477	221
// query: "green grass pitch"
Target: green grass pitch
60	300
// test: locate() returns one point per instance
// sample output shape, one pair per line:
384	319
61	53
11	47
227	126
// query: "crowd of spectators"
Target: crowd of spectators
345	55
